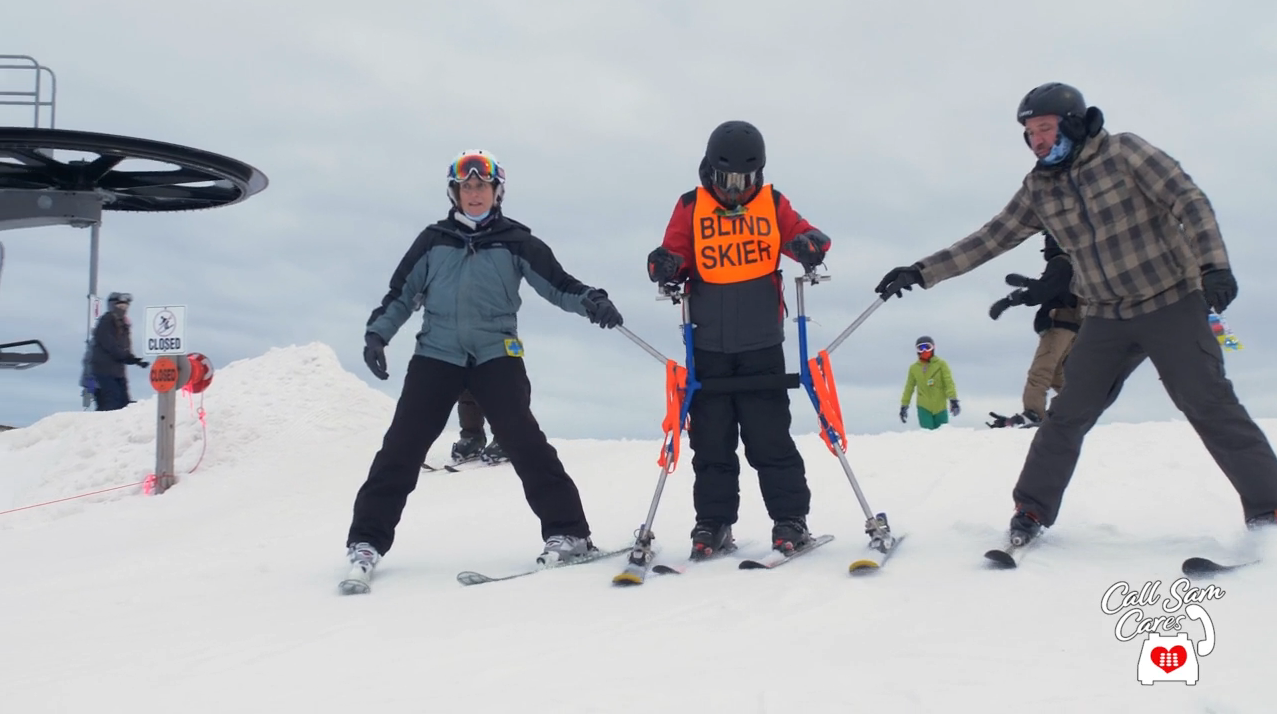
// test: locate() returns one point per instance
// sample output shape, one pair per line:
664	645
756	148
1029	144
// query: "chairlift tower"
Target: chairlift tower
37	189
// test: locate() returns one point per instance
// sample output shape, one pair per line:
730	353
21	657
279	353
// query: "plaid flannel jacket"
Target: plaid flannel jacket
1138	230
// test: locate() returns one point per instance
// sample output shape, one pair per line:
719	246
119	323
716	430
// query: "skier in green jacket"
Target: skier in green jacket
930	375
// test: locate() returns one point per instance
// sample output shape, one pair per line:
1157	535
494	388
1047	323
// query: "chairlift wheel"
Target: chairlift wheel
198	180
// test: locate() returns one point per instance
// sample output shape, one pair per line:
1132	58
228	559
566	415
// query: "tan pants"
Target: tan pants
1046	372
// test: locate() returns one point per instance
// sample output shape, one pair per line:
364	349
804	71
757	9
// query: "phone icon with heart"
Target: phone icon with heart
1167	658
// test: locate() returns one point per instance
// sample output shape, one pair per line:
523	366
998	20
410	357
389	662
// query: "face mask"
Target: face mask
1063	146
479	217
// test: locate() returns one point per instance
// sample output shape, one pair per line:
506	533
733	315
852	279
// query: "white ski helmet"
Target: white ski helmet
480	163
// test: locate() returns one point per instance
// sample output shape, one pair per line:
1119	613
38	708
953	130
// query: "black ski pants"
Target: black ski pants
760	419
470	414
430	390
1178	340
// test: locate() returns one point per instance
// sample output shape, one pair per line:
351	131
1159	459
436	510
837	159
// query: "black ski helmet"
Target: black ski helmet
736	147
1052	98
733	164
925	340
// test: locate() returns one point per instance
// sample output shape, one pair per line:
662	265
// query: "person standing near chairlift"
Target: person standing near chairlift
464	273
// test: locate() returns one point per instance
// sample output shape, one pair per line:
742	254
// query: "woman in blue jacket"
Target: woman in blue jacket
464	273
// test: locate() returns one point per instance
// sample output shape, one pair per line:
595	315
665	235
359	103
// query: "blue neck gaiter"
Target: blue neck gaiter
1063	146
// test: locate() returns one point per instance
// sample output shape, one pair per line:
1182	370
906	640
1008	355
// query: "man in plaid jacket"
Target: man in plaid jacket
1149	265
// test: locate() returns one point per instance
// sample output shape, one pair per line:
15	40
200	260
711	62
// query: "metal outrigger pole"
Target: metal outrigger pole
680	386
817	377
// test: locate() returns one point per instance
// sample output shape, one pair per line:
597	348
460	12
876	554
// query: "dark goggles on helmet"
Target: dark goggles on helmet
733	181
475	165
125	298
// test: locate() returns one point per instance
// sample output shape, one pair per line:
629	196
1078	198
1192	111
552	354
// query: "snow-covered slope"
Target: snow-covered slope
220	595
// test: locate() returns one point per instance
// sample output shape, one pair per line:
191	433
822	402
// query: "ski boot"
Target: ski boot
363	560
710	539
1265	521
1024	528
560	549
493	454
468	448
790	534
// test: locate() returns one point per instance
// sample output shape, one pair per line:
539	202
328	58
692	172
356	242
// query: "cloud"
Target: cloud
890	126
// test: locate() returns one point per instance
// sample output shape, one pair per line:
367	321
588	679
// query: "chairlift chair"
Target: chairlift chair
20	355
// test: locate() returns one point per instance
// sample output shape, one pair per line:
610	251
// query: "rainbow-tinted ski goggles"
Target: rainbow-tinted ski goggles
925	347
475	165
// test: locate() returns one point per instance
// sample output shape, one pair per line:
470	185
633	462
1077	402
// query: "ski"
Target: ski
1205	567
683	566
776	558
467	465
1008	556
470	577
875	557
636	573
632	574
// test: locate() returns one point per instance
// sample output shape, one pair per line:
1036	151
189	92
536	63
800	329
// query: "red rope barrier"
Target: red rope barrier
199	414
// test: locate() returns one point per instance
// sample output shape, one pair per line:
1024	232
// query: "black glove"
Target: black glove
662	265
143	363
375	355
1016	280
999	421
600	310
954	409
134	359
999	307
809	248
1219	287
1033	288
904	414
898	280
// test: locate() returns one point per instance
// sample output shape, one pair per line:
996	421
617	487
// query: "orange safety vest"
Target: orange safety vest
741	246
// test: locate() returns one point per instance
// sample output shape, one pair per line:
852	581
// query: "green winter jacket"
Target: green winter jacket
934	383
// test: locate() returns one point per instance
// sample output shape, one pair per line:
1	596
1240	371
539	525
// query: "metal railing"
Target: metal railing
43	94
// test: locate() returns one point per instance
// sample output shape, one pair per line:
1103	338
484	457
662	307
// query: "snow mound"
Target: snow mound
290	399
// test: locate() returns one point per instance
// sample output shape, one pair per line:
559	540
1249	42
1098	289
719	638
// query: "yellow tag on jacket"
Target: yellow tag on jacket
738	246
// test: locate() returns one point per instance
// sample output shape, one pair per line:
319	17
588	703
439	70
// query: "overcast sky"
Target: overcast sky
889	125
